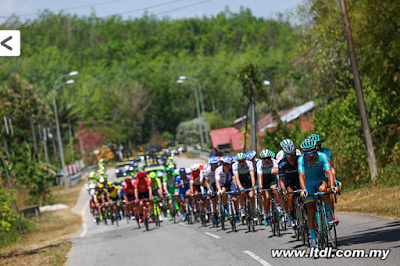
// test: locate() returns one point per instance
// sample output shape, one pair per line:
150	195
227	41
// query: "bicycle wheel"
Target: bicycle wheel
222	211
322	231
277	223
332	236
116	215
283	223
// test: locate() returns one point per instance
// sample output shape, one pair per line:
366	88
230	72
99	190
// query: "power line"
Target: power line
76	7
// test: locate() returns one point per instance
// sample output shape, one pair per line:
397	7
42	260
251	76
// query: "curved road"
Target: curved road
182	244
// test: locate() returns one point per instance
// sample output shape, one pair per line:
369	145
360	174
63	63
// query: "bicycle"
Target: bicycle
156	213
115	214
187	206
221	212
300	228
274	218
145	213
211	214
126	211
259	209
249	211
326	233
202	212
231	210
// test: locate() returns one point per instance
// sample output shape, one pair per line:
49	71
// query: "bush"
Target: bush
8	218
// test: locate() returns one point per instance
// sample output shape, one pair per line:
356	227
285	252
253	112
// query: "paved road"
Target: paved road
180	244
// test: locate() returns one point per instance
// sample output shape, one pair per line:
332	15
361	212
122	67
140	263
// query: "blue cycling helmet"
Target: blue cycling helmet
213	159
226	159
182	171
234	160
315	137
250	155
308	144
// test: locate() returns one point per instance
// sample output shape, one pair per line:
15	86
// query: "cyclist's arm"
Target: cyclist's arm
136	194
260	180
302	180
165	187
331	177
150	191
282	182
218	185
332	168
253	178
191	186
236	177
208	184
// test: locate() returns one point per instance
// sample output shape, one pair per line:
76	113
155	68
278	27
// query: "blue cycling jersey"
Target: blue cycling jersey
327	152
183	185
315	170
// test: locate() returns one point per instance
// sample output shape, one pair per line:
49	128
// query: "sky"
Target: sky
173	8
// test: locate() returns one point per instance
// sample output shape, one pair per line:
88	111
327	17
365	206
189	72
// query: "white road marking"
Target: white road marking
257	258
183	224
84	230
215	236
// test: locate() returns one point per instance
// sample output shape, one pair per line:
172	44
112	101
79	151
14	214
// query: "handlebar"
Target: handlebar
295	192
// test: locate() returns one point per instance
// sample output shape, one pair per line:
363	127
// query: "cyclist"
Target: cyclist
209	181
251	156
195	182
142	190
224	182
128	192
112	190
182	183
289	178
267	169
101	165
280	155
100	199
169	187
312	167
243	172
204	189
328	153
155	181
92	176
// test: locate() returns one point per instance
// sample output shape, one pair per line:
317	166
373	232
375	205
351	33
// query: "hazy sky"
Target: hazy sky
260	8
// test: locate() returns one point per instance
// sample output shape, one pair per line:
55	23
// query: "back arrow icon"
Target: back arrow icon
4	43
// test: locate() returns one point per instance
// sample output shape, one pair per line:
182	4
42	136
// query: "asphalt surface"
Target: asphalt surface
183	244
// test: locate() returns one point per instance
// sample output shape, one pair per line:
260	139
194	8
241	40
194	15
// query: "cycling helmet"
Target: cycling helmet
152	175
240	156
101	180
308	144
101	160
315	137
267	154
188	170
110	183
250	155
141	175
219	158
213	159
195	167
182	171
286	141
226	160
101	186
289	149
128	180
92	174
234	160
160	174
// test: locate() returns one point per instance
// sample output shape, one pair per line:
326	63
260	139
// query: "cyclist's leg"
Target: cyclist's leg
310	208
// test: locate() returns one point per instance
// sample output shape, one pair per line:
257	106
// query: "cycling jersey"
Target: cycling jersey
224	178
142	187
262	169
170	182
99	195
114	193
314	173
195	178
155	183
244	173
183	185
280	155
209	173
327	152
289	173
129	190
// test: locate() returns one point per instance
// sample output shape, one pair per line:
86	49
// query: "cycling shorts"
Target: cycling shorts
155	193
213	189
312	187
294	183
144	195
130	197
268	181
246	182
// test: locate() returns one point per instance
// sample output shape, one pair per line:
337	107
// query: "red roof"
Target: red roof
221	135
267	119
237	141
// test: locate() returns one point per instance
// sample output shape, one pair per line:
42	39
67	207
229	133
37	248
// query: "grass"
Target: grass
379	201
53	227
55	255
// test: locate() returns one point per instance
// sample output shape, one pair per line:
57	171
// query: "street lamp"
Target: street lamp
180	81
201	102
55	88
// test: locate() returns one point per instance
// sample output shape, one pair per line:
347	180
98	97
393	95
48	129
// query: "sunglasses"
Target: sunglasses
214	164
290	155
268	158
308	153
241	161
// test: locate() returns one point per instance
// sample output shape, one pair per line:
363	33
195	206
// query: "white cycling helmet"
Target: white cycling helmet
188	170
195	167
160	174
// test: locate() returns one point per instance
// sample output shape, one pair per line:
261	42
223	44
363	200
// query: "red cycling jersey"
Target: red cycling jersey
195	178
142	187
128	190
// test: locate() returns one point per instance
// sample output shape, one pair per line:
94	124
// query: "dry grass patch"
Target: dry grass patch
56	255
379	201
53	226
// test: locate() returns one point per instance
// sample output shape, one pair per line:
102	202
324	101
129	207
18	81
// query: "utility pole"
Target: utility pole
34	138
53	139
45	150
70	139
360	98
